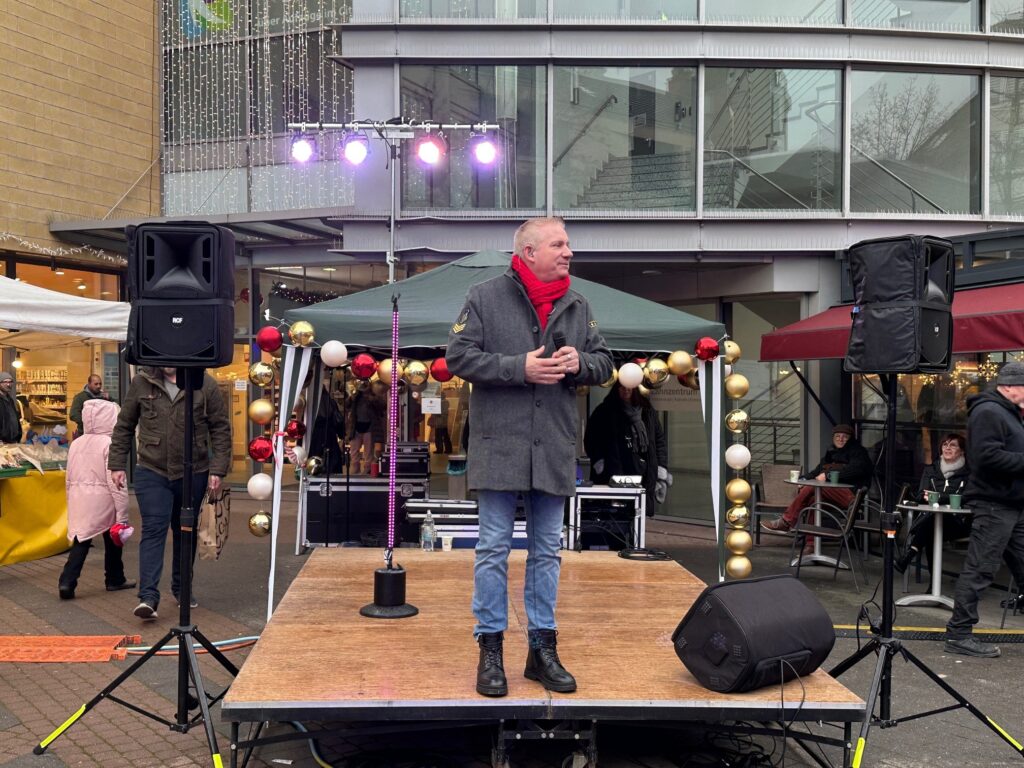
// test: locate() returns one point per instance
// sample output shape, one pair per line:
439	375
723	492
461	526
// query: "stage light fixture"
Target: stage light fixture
483	149
303	148
431	148
355	146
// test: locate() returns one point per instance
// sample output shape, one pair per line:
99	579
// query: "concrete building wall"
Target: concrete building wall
79	114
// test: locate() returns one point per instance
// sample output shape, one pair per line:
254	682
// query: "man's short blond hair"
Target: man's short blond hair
528	231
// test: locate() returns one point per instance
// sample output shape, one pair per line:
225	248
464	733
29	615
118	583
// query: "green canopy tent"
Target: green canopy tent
430	302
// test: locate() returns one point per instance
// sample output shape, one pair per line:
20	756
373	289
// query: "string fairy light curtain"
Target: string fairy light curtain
235	73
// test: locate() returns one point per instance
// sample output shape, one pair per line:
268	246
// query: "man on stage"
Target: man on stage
995	496
525	341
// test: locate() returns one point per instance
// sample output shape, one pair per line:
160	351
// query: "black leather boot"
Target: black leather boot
490	672
543	665
903	561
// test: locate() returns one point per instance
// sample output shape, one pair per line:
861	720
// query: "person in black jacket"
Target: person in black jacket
948	475
10	420
846	456
624	437
995	496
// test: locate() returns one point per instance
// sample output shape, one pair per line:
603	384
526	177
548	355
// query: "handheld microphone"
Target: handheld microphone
559	341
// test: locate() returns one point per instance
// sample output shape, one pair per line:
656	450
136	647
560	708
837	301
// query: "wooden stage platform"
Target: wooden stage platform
319	659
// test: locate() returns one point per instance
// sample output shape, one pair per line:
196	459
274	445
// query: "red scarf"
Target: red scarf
542	295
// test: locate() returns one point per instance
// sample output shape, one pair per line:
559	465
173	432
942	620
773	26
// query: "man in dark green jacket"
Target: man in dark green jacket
155	405
92	390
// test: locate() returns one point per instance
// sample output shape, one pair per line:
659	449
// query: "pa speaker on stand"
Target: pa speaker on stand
903	293
181	289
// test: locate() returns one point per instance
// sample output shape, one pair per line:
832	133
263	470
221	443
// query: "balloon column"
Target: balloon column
738	541
264	410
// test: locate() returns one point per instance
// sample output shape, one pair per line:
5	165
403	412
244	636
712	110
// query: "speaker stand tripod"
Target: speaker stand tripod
185	634
882	642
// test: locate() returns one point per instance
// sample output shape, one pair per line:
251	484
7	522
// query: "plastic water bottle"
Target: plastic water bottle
428	533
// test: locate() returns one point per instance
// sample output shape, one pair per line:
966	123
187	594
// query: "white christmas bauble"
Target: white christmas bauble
631	375
726	370
737	456
260	486
333	353
300	455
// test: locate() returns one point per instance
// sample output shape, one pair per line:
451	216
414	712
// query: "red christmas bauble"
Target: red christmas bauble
439	370
706	349
295	429
261	448
363	366
269	339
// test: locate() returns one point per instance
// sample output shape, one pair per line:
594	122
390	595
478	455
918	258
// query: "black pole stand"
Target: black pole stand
185	634
389	581
883	643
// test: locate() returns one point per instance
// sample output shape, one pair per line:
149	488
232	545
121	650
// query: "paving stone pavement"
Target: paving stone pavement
35	698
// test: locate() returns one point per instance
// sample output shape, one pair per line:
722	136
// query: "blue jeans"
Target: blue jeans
545	515
160	506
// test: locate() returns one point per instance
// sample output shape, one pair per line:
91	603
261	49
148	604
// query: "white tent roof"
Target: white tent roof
30	315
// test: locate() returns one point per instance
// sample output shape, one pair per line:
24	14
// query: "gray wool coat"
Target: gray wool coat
523	436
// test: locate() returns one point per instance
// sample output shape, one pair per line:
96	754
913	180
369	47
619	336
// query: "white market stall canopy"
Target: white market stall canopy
30	316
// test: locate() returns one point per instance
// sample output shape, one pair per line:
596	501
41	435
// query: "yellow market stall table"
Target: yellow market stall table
33	515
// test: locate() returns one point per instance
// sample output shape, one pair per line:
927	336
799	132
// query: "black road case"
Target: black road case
359	513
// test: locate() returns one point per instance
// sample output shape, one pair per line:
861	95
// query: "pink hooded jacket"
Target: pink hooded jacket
94	504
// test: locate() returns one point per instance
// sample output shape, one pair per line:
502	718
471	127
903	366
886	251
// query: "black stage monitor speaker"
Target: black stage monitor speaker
181	284
902	320
746	634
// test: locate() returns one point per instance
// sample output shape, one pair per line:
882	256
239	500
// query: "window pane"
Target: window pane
962	16
986	254
512	97
772	139
776	12
916	143
1006	16
625	10
1006	153
473	9
624	138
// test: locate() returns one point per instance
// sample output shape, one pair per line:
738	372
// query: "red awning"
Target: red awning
984	320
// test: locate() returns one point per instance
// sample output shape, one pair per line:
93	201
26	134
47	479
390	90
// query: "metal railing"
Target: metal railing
582	131
759	175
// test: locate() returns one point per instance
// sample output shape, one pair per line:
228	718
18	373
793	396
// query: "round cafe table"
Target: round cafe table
816	557
934	596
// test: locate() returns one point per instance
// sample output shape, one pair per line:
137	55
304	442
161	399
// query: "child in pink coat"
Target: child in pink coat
95	504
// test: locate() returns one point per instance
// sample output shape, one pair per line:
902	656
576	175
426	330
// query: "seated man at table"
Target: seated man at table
847	457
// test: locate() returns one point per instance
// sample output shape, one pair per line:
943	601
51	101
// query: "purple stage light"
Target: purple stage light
431	149
303	149
355	147
483	149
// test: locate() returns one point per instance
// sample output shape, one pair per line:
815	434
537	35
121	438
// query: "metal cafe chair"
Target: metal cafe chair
772	495
841	530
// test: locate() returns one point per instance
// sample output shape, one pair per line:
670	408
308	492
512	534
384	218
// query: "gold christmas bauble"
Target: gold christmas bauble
691	380
610	381
275	363
261	374
314	465
731	352
738	516
738	542
644	391
736	386
261	411
301	333
416	373
655	373
680	363
384	370
737	490
259	524
737	421
738	567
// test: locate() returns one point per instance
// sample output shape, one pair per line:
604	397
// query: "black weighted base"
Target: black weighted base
389	596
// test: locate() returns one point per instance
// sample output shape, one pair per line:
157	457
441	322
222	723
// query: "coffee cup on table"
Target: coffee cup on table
933	498
794	475
833	476
446	543
955	501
